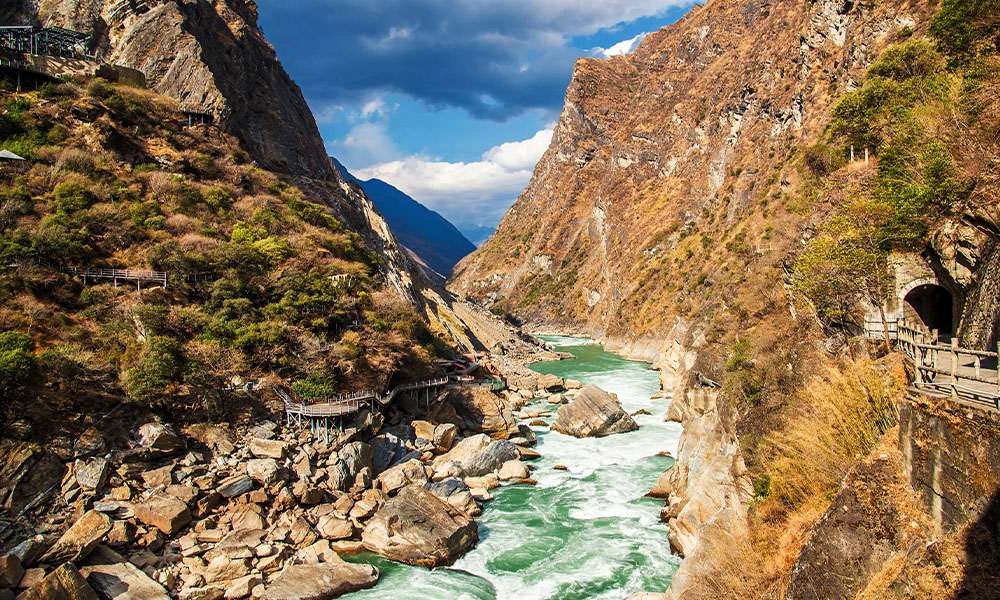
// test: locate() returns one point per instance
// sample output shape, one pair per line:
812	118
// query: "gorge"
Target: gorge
750	202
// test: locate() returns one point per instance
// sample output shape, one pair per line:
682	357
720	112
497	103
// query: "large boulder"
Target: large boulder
275	449
117	579
398	477
92	474
165	512
356	456
264	470
490	459
483	412
444	436
235	486
11	571
321	581
65	583
389	449
80	539
420	529
456	493
423	429
26	472
478	455
551	383
157	436
593	413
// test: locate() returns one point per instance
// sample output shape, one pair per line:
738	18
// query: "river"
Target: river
585	532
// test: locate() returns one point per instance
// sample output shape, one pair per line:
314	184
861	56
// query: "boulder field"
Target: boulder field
264	511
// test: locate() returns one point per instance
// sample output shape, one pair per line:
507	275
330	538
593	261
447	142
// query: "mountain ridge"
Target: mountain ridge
427	234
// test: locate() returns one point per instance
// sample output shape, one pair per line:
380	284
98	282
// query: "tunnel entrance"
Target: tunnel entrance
933	306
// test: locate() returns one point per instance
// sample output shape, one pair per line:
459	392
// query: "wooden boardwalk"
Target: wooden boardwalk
136	276
320	414
945	370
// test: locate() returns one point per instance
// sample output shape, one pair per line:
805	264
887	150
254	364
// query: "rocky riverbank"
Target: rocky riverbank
267	510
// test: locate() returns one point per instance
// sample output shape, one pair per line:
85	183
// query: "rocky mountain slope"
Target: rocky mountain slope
670	216
435	242
673	168
211	57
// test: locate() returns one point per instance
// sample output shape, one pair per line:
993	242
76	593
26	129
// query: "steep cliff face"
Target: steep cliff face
682	182
671	180
211	57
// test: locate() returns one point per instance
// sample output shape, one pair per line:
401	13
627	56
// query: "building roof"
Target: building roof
7	154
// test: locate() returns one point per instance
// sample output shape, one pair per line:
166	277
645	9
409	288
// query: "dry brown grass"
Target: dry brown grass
840	416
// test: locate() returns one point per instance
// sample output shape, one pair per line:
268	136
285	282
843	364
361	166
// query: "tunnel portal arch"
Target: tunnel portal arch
931	304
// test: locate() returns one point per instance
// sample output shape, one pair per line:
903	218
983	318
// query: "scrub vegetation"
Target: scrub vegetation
116	178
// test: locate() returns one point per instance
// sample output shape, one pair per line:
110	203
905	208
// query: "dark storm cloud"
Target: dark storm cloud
493	59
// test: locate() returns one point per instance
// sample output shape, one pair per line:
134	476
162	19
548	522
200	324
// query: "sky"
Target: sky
451	101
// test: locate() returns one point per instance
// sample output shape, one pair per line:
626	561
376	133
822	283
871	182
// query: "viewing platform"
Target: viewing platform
319	413
39	54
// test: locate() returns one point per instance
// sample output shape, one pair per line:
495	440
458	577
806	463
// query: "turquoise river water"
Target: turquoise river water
585	532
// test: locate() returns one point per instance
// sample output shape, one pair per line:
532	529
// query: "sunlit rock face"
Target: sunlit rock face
212	58
672	173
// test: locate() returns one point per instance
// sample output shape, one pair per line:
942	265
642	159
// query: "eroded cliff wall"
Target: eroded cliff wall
670	176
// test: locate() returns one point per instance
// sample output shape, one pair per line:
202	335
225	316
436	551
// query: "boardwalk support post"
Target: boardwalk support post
954	367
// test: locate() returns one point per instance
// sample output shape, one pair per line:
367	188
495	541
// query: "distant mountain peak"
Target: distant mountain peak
436	243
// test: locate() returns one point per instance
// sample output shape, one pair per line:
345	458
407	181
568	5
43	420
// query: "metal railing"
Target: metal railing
136	275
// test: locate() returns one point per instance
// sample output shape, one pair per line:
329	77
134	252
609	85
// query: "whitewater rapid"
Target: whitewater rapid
586	532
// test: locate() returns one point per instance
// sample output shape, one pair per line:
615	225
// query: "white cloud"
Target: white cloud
374	107
366	143
622	47
328	113
515	156
466	193
495	59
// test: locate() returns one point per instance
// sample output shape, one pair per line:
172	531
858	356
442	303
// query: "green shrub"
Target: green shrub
762	487
10	125
966	28
19	372
98	88
916	58
18	367
159	372
72	196
217	198
320	383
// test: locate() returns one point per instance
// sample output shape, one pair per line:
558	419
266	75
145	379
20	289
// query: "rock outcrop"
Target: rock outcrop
593	413
213	59
26	474
418	528
709	475
321	582
64	583
872	519
482	411
79	540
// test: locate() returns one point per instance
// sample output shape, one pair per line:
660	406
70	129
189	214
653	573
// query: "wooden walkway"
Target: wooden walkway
946	370
115	275
320	414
